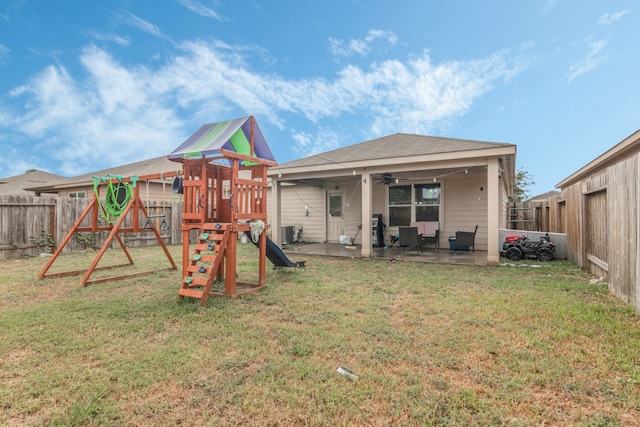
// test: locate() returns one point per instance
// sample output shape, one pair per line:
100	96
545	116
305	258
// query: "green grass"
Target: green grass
430	344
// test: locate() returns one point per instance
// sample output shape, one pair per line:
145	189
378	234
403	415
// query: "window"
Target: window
335	205
79	195
419	202
399	205
427	202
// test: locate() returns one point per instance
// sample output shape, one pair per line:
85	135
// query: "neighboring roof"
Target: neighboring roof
232	135
626	147
398	145
546	195
143	167
15	185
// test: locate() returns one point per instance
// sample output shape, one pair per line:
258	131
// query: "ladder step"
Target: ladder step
205	247
202	258
211	236
215	226
196	269
198	281
192	293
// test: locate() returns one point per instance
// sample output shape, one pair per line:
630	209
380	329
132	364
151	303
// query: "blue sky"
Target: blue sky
87	85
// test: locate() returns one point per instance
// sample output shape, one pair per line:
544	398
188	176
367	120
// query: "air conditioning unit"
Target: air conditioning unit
286	234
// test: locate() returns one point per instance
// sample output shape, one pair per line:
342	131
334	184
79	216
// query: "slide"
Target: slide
275	254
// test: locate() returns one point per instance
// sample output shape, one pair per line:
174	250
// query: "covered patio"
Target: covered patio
439	256
373	189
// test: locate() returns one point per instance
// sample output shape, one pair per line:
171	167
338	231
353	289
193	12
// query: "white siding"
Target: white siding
463	206
293	200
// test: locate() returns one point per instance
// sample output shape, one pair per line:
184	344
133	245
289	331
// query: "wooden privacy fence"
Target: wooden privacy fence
31	225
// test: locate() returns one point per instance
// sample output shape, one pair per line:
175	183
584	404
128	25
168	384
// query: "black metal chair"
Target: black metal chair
410	238
465	240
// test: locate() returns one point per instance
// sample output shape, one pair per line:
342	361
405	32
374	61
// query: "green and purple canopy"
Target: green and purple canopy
233	135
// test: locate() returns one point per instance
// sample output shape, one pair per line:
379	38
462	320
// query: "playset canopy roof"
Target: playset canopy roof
231	135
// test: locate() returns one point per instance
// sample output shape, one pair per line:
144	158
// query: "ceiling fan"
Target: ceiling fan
387	178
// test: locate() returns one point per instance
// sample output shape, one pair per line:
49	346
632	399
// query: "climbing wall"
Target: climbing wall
206	262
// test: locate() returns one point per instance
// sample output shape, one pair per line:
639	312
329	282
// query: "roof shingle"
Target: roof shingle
393	146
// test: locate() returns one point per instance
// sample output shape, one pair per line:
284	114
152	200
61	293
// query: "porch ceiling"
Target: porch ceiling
317	179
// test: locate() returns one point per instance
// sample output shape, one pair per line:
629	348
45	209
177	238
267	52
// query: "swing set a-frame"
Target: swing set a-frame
220	201
122	197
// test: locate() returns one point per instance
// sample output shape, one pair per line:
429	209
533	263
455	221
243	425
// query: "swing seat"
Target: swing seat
164	225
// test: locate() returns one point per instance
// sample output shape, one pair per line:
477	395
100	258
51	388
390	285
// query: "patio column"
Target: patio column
276	186
493	211
366	215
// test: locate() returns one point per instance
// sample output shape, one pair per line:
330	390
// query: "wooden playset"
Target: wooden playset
223	183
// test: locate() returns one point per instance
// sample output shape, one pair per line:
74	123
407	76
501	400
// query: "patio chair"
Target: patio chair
430	231
465	240
410	238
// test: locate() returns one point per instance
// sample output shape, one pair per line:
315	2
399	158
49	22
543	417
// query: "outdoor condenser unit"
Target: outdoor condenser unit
286	234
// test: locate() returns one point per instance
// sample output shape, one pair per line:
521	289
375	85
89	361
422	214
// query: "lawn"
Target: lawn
516	345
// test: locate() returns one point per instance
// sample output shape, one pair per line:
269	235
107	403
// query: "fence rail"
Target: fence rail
31	225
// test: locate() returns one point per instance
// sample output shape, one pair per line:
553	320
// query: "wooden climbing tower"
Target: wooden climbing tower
224	191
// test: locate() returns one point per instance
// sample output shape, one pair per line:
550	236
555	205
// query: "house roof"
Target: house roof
400	149
397	145
626	147
233	135
16	185
143	167
543	196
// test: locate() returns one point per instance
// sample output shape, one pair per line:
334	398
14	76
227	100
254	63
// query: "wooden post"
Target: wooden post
68	237
105	245
231	258
262	262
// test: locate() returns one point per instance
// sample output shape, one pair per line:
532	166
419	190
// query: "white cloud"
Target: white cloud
548	5
117	114
360	47
122	41
595	57
200	9
4	53
113	117
610	18
323	140
143	25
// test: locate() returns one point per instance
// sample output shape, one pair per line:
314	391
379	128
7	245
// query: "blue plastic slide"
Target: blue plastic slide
276	256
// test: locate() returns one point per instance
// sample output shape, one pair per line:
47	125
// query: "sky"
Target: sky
88	85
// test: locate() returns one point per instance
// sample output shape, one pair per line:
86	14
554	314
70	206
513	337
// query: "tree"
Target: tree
521	187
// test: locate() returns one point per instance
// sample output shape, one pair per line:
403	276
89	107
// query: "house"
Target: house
401	178
81	186
16	185
599	210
